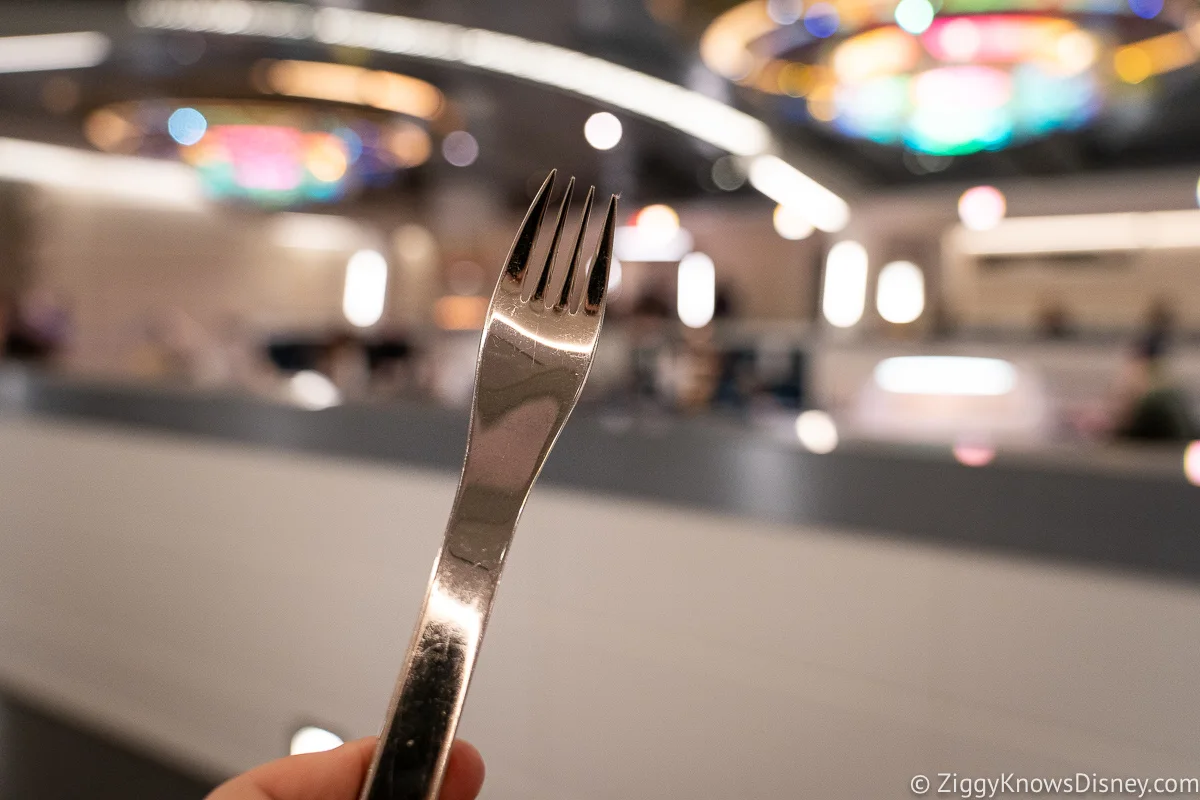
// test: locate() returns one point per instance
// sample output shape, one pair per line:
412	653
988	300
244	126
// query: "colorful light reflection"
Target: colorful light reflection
276	154
186	125
1020	82
821	20
1146	9
270	164
1060	58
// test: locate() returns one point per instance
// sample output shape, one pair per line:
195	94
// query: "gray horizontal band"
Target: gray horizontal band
1141	520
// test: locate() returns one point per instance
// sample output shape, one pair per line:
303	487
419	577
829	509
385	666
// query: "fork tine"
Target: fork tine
568	287
597	286
522	246
540	291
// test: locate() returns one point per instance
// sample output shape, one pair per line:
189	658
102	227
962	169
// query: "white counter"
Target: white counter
207	598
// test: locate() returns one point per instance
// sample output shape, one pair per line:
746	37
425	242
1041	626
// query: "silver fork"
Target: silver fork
533	361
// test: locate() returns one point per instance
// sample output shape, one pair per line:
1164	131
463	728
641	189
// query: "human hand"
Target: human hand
339	775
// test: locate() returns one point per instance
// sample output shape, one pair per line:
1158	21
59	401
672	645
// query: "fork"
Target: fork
535	355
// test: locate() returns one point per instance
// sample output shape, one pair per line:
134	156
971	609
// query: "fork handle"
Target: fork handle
414	746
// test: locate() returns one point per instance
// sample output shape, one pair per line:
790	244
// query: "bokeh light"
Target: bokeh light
982	208
914	16
727	174
973	453
817	432
952	376
1076	51
791	224
900	292
187	126
1132	64
366	288
460	148
962	85
274	154
409	144
821	20
785	12
108	130
602	131
697	290
616	274
845	288
1146	9
1191	463
327	159
460	313
959	40
658	221
312	390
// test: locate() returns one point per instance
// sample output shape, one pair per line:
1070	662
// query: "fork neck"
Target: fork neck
503	460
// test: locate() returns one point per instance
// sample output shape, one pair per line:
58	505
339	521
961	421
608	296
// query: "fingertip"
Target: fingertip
335	774
363	749
464	773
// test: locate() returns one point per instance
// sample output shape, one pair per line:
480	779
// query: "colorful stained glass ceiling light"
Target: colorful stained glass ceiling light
950	77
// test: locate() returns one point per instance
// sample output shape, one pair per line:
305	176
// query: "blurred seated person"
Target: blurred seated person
1156	408
1053	322
652	305
37	328
697	371
725	303
174	347
650	360
1159	331
391	362
345	364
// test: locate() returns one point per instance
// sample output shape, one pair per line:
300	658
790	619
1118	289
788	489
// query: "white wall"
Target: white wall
122	266
909	223
205	599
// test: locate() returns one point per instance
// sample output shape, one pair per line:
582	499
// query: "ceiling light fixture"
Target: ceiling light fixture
682	109
50	51
949	77
602	131
845	287
164	184
982	208
343	83
1085	233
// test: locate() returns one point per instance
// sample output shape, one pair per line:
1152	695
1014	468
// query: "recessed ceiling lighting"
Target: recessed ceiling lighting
602	131
366	288
900	292
791	224
697	290
53	51
845	288
982	208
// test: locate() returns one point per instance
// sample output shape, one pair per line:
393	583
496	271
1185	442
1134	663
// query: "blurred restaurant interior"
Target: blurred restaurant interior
887	464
